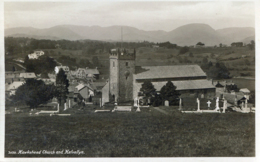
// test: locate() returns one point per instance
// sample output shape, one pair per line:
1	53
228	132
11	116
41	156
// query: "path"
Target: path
162	111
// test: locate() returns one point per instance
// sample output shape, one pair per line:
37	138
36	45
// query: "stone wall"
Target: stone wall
126	71
113	78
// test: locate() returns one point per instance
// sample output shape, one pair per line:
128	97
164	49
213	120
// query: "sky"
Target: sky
144	15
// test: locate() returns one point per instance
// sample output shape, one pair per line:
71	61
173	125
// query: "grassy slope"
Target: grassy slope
145	134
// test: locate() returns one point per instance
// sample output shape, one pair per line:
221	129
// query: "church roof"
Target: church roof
183	85
177	71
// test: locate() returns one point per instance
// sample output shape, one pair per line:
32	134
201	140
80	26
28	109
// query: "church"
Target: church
126	79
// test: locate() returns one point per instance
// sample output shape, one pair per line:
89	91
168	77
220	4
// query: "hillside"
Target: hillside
193	33
235	34
185	35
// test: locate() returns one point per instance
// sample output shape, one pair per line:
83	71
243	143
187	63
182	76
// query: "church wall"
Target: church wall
207	93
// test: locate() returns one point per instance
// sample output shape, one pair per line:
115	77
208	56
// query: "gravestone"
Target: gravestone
136	102
166	103
180	108
138	107
217	104
224	106
235	101
208	104
198	101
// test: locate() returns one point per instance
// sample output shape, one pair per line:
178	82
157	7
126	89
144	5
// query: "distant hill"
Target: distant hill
247	40
235	34
52	33
191	34
185	35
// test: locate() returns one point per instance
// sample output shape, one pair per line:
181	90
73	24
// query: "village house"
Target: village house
35	55
246	92
11	76
79	93
66	69
92	72
84	90
11	89
25	76
85	73
48	81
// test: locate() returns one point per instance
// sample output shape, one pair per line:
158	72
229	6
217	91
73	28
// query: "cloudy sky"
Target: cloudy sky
144	15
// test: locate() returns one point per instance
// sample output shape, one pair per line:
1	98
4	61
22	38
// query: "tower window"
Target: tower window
113	64
126	64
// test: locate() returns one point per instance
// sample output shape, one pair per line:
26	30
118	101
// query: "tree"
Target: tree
26	59
200	44
148	89
62	85
95	61
219	71
184	50
252	97
168	92
205	60
85	63
252	45
34	92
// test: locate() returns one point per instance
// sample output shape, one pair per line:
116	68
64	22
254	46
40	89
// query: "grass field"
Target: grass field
146	134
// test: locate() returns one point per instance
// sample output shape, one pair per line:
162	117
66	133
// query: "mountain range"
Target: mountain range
184	35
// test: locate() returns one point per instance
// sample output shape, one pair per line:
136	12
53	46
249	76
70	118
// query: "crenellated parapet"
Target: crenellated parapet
122	54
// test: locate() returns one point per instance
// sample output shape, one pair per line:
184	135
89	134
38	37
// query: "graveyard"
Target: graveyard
153	132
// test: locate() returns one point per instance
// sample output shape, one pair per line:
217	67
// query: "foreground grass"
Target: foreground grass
145	134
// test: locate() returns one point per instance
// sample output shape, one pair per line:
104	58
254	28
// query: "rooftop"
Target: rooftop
27	75
14	85
92	71
244	90
177	71
183	85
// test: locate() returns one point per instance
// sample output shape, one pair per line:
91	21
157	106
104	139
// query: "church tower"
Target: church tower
122	68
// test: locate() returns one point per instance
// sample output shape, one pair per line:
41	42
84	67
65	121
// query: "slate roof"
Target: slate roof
92	71
27	75
183	85
14	85
80	86
154	72
244	90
